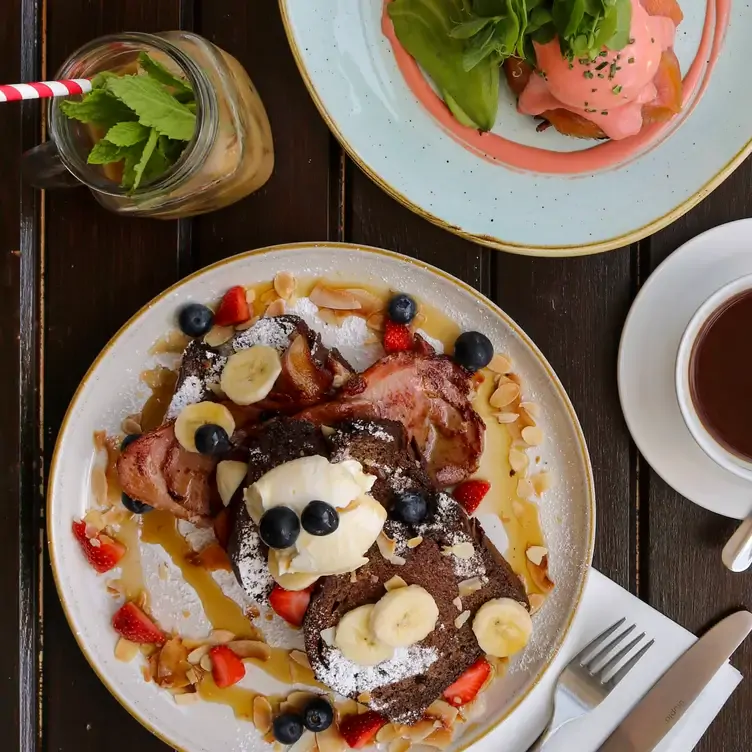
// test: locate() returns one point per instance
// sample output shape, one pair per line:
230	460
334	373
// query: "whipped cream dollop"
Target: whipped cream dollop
346	487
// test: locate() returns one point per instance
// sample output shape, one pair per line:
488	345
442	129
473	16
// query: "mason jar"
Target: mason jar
231	153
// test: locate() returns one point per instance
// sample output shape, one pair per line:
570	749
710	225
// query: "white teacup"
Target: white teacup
709	444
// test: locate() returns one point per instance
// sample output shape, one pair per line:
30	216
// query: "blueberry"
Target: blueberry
402	308
410	507
288	728
279	527
195	319
129	439
319	518
318	715
137	507
473	351
211	439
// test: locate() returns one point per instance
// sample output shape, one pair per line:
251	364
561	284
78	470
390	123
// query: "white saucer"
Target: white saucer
647	358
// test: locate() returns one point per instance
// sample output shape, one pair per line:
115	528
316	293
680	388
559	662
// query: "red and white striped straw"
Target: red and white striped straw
44	89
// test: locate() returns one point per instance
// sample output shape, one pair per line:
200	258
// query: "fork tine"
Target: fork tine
606	667
605	651
628	666
580	657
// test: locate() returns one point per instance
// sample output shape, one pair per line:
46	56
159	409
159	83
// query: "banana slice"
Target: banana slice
249	375
404	616
502	627
288	580
192	417
230	475
356	640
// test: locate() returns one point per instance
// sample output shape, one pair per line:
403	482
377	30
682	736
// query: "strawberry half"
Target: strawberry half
397	337
471	493
132	623
233	309
227	668
468	685
359	730
291	605
101	551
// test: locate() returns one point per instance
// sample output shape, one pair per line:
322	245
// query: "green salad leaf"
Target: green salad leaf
147	120
424	28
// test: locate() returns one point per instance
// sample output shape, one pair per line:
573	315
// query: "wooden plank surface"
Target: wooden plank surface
99	269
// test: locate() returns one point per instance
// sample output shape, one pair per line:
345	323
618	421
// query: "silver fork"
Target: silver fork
587	681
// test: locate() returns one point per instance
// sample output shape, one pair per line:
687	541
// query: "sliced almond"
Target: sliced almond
536	601
387	733
195	656
364	697
394	582
525	489
443	712
115	588
299	699
331	740
400	745
459	622
375	322
536	554
336	299
327	635
220	637
504	395
467	587
268	297
218	335
464	550
515	378
344	708
439	739
246	325
206	662
250	649
505	418
415	542
285	285
300	658
369	303
420	730
125	650
186	698
262	714
518	460
542	482
500	364
532	435
131	425
387	547
276	308
329	317
539	575
194	675
250	296
531	408
457	603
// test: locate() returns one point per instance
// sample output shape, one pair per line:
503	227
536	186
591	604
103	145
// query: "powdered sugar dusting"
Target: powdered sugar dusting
251	565
348	678
272	332
352	338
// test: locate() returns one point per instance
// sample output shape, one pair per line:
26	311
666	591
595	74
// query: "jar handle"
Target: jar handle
42	167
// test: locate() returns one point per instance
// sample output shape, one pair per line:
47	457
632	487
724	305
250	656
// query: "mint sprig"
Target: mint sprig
147	120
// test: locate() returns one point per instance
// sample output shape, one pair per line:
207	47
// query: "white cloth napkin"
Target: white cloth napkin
604	602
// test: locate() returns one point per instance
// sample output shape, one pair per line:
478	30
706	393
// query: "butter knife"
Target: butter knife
673	694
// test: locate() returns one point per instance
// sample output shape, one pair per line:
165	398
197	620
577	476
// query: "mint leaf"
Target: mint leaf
139	169
132	158
98	107
104	152
154	106
127	134
159	73
99	81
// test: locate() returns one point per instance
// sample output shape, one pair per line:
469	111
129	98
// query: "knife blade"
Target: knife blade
673	694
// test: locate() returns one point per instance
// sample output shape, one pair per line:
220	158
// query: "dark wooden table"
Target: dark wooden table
71	274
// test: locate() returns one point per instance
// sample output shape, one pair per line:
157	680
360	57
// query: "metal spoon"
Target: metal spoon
737	553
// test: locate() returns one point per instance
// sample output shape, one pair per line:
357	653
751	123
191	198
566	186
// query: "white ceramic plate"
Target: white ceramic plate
350	70
111	390
647	365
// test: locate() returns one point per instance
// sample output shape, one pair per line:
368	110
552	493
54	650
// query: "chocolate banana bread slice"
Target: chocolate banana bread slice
402	688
